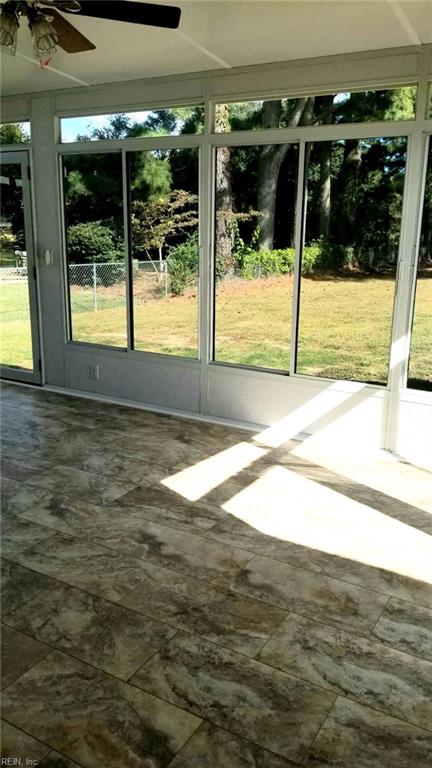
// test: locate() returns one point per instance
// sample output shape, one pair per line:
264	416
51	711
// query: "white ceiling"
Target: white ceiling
221	34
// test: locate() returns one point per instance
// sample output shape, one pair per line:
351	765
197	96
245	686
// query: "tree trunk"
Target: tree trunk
270	162
349	173
225	266
326	109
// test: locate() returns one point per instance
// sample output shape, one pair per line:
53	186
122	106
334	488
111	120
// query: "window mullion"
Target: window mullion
299	236
128	252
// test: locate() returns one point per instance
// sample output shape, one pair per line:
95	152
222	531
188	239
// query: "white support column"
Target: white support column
46	198
205	270
401	332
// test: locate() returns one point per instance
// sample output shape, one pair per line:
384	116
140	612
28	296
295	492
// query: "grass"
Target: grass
344	327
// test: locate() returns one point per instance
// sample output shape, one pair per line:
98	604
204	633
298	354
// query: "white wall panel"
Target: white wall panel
305	406
415	430
127	376
121	96
312	75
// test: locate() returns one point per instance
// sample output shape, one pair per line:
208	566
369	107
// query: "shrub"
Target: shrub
337	257
278	262
182	264
7	240
312	255
92	242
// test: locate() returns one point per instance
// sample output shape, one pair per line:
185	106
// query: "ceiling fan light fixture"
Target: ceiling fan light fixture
45	38
8	28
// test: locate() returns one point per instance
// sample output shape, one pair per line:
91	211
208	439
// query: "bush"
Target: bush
337	257
278	262
92	242
312	255
182	264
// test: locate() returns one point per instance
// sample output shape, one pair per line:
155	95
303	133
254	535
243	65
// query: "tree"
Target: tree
155	222
270	162
224	200
13	133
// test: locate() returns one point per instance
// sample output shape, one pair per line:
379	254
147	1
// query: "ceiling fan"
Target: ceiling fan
50	28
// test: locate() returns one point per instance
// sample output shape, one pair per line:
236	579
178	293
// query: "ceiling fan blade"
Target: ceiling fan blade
154	15
70	39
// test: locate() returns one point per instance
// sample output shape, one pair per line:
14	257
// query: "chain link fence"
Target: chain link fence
100	286
14	296
93	287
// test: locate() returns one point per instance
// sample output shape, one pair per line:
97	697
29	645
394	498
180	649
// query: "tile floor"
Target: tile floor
181	594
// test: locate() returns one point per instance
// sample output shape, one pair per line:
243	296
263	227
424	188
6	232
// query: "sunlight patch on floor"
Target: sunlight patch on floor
196	481
292	508
379	470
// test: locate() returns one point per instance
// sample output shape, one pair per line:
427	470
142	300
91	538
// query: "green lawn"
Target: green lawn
344	329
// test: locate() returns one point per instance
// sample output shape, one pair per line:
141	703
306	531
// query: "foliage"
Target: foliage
278	262
92	242
182	263
154	222
7	240
13	133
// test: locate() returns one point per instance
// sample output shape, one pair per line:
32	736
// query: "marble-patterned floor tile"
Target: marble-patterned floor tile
226	618
310	594
407	627
69	514
18	585
117	640
195	518
94	719
236	533
369	672
354	736
8	489
140	499
18	654
85	485
85	565
123	469
212	747
25	496
171	548
388	582
18	534
23	471
250	699
55	760
19	746
34	424
182	551
150	442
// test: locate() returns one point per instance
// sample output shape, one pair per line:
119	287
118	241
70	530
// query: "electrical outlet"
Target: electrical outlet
94	372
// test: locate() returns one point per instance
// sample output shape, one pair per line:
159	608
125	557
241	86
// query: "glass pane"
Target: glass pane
165	252
15	133
254	252
336	108
15	326
157	122
420	364
353	207
95	248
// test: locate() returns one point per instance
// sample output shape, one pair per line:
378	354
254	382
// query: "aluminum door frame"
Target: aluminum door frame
22	158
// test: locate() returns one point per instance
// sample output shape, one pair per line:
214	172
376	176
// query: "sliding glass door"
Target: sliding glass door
19	338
